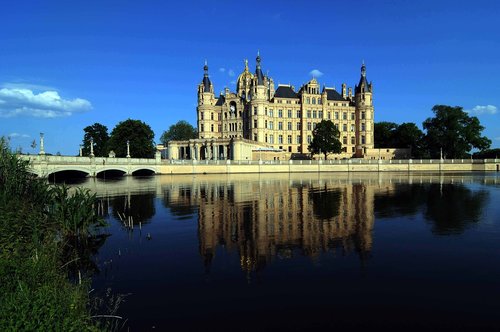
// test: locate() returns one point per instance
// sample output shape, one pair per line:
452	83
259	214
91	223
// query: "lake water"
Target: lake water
302	251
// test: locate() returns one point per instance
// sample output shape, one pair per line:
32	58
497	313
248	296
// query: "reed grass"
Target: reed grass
36	219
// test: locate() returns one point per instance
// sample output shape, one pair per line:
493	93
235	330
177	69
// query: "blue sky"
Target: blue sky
67	64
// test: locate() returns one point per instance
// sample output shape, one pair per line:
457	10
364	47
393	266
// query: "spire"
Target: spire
258	71
363	83
206	80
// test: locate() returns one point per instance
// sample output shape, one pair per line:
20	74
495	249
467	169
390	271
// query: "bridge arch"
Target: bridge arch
143	171
69	175
110	171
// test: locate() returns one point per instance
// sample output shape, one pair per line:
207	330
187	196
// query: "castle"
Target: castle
261	122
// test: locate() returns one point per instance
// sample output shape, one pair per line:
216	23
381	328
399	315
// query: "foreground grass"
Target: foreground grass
35	219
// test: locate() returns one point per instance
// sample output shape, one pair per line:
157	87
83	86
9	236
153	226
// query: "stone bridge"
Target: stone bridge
44	165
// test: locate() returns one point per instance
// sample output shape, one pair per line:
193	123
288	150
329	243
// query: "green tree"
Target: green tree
99	133
384	134
487	154
181	131
325	138
454	131
408	135
139	135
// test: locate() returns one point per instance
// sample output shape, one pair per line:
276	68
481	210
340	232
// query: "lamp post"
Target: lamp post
42	147
91	147
128	149
81	152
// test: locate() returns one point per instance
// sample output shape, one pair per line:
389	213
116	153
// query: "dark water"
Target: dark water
303	252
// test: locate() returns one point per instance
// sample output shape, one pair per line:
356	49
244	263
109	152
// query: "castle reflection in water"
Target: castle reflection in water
266	217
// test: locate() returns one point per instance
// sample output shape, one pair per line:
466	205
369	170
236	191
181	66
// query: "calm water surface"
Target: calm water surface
302	252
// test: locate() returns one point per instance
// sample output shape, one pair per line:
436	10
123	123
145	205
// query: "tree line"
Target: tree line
451	133
138	134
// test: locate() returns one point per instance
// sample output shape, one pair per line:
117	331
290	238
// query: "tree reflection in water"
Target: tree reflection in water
140	207
451	208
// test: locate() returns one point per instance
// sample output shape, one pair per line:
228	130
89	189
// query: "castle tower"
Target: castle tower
364	113
258	103
207	117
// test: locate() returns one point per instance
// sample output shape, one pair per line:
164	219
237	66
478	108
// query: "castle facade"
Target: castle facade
283	119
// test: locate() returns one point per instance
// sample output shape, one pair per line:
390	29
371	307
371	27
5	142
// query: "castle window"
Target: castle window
329	115
299	126
288	101
225	115
266	138
314	114
363	139
289	139
212	116
309	113
314	101
271	113
280	125
362	115
309	126
220	128
319	101
352	127
353	149
255	137
353	140
298	139
289	126
320	114
255	111
344	127
314	125
225	126
212	128
280	113
271	139
255	123
363	127
299	114
308	100
289	113
265	124
309	139
336	115
280	139
353	116
344	116
265	111
271	125
202	127
344	140
202	116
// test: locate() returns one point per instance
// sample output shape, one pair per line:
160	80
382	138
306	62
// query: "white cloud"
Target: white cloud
17	135
222	70
47	104
32	87
315	73
486	109
230	72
